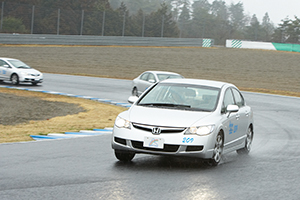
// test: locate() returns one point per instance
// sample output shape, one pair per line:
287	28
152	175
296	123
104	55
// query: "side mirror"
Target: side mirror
151	81
132	99
232	108
6	66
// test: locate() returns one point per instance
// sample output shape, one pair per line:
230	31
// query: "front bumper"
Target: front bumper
176	144
31	79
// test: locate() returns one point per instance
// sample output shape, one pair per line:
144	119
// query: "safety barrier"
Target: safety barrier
241	44
44	39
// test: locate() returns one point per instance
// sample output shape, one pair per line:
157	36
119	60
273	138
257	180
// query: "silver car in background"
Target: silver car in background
148	78
185	117
17	72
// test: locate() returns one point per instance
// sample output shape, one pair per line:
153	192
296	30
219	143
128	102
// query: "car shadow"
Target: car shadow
173	163
3	83
150	162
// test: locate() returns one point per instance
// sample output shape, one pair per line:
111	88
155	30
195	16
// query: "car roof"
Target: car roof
4	58
162	72
210	83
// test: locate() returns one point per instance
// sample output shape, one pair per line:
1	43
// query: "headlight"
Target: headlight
122	123
25	73
201	130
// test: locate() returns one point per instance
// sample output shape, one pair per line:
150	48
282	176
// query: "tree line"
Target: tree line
146	18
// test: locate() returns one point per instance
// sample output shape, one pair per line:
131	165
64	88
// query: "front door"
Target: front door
5	70
230	121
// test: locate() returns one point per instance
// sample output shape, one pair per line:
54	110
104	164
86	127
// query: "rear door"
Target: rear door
143	82
146	80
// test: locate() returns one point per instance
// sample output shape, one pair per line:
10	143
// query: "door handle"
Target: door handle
247	113
237	116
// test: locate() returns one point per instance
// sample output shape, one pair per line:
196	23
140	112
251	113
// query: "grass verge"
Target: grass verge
97	115
268	91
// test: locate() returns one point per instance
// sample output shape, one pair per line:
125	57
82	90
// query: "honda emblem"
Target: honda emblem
156	130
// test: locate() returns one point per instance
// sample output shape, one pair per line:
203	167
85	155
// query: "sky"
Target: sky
277	9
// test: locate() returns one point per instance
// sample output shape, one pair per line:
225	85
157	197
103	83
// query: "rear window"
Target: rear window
162	77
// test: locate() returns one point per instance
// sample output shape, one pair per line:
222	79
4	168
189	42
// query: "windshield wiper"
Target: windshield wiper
24	67
165	105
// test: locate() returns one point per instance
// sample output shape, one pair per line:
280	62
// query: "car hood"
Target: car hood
165	117
31	71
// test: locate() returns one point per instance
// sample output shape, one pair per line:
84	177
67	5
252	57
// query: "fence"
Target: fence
41	20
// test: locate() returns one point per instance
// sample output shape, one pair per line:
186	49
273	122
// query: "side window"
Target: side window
144	77
2	63
238	98
151	77
228	100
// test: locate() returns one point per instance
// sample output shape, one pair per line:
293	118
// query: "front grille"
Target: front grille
167	147
164	129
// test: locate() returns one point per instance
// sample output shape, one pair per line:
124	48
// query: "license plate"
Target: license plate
154	142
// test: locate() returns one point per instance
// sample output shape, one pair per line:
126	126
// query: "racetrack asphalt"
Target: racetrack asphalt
85	168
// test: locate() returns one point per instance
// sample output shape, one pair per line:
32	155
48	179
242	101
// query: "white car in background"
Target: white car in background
185	117
17	72
148	78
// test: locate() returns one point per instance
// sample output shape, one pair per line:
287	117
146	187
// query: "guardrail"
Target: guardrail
102	40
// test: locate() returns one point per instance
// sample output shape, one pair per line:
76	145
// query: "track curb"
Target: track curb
82	133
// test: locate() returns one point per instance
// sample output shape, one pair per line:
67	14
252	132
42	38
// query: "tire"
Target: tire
248	142
218	150
15	79
124	156
134	92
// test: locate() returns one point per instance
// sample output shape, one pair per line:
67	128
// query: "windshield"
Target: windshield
162	77
19	64
181	96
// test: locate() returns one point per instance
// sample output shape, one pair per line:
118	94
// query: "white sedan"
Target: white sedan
148	78
185	117
17	71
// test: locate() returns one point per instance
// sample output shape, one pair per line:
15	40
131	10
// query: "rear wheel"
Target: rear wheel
218	150
15	79
248	142
124	156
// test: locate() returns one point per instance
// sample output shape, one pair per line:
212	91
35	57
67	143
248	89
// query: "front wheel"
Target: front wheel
218	150
124	156
248	142
15	79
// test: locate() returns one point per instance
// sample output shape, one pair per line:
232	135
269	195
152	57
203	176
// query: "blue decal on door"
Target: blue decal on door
233	128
